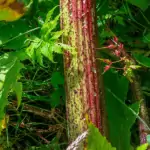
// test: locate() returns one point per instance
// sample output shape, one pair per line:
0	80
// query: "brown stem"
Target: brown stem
37	111
44	139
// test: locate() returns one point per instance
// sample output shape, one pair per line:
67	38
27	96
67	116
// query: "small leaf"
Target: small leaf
47	51
135	66
10	67
49	15
56	35
142	147
48	27
57	49
119	20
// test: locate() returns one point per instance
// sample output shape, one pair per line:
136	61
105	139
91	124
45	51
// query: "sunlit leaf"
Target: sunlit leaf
4	122
143	147
96	141
10	67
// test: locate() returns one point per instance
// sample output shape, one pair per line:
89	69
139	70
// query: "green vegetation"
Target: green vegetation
32	82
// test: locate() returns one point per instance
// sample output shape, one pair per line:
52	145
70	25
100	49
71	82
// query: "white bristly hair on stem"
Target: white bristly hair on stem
74	145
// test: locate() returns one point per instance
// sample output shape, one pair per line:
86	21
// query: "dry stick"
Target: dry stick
44	139
51	128
42	113
37	111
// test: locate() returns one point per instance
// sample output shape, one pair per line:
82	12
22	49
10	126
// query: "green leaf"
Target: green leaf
120	118
57	79
141	59
31	50
96	141
16	28
47	43
119	20
142	4
143	147
49	26
17	87
146	38
10	67
106	34
50	14
39	48
47	51
57	97
56	35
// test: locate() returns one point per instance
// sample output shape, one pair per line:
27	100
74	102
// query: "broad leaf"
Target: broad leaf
141	59
143	4
57	79
17	28
57	97
96	141
9	71
120	118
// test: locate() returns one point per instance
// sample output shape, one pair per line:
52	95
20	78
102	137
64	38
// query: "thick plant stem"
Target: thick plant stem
83	98
143	111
